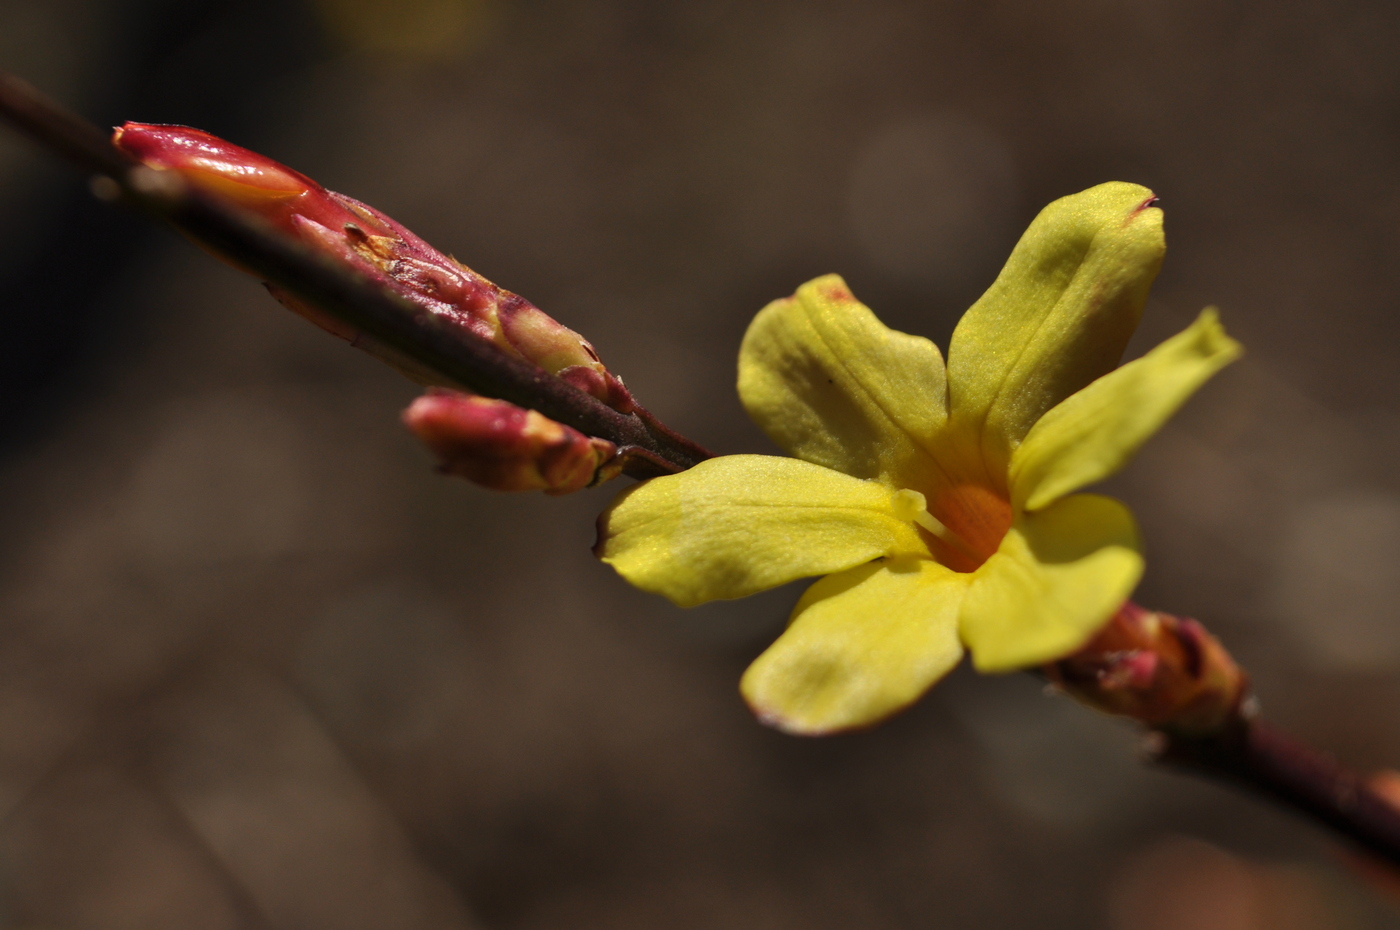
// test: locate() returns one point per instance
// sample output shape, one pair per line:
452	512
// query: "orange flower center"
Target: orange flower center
977	518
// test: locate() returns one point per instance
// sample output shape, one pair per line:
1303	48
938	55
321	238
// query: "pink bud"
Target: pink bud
507	448
1165	671
1131	670
374	245
252	181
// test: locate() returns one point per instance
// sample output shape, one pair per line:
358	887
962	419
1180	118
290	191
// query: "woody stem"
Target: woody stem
455	353
1263	760
1170	674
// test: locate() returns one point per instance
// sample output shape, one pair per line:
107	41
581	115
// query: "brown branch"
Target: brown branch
1172	675
1264	761
457	354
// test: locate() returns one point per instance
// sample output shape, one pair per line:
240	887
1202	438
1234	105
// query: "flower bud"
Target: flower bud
1168	672
507	448
377	247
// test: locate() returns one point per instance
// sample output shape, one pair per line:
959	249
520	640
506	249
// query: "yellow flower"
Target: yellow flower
937	502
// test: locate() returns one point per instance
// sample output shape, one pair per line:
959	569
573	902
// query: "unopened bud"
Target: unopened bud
505	447
366	240
1168	672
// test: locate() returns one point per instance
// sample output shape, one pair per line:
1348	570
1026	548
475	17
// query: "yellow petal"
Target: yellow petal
1058	316
740	524
1057	578
861	645
1093	433
831	384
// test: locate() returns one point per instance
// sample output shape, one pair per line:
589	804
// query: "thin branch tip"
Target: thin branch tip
459	356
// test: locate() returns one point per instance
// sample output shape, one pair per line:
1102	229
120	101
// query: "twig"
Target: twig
1265	761
1172	675
453	352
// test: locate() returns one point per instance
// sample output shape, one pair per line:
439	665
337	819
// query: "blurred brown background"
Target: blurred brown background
260	667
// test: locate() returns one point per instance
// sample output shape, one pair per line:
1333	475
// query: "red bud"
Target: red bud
1165	671
376	246
507	448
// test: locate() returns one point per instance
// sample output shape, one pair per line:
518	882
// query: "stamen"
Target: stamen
930	523
915	507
